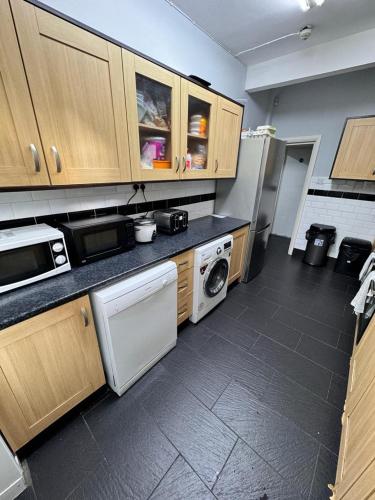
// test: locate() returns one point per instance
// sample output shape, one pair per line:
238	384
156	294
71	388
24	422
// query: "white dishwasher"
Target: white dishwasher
136	323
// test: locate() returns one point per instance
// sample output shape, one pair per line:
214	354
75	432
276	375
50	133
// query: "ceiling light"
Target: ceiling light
309	4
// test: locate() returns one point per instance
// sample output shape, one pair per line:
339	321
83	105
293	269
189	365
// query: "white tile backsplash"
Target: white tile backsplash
353	218
342	185
20	204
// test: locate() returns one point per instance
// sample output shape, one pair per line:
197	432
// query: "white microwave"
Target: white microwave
29	254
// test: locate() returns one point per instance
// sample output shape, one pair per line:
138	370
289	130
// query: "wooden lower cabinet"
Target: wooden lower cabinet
48	364
185	262
355	478
240	238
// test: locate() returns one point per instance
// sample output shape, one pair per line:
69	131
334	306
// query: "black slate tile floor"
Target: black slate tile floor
248	405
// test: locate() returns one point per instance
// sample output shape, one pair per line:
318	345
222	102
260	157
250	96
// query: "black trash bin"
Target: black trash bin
352	255
319	238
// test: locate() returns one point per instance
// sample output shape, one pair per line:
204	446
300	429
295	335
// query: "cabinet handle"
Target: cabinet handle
177	164
183	163
36	158
181	312
185	263
183	285
217	165
57	159
85	316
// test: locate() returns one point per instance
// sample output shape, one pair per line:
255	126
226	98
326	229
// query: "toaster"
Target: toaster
171	220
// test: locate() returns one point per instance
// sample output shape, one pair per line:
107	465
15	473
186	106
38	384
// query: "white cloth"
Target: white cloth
360	299
370	260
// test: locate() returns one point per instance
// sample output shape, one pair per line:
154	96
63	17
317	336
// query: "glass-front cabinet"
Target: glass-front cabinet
153	108
198	123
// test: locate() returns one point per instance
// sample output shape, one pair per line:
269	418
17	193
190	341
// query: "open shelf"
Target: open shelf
153	128
198	137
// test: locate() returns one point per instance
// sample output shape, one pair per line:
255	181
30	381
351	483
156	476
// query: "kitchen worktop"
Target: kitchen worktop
22	303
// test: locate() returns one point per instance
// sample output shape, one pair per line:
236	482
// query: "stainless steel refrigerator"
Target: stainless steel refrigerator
253	194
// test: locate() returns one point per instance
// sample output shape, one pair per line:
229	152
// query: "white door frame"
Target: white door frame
313	140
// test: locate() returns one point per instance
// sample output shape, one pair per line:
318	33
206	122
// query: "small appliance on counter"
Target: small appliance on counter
92	239
145	230
171	220
29	254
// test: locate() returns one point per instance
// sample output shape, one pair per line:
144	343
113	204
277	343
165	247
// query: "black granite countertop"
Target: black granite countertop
22	303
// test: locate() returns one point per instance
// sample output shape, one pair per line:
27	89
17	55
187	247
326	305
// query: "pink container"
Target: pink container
154	147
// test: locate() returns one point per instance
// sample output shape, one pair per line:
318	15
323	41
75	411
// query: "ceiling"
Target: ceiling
240	24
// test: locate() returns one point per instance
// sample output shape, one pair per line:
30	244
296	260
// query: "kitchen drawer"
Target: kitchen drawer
184	308
362	367
184	261
184	284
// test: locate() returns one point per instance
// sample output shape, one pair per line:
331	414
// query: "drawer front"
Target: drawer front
362	370
184	308
184	284
184	261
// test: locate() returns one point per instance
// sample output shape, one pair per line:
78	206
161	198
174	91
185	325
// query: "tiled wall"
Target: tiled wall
347	205
193	195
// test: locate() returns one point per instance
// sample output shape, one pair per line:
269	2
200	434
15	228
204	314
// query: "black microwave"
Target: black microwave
92	239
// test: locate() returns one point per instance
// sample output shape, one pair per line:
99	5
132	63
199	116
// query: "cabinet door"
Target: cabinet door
356	154
76	84
50	363
363	368
240	239
21	156
357	445
153	110
198	125
228	130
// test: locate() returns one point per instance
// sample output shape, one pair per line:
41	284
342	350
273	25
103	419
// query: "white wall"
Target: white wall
290	190
321	107
345	54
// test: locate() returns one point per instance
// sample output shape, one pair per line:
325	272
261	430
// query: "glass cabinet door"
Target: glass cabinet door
153	108
198	122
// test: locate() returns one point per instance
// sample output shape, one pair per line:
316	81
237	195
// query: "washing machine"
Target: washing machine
211	271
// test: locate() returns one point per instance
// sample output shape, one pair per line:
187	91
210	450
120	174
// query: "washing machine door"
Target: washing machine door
216	278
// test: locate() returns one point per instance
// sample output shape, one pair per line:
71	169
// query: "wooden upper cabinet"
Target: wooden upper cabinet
76	84
48	364
21	156
227	137
153	110
355	157
198	128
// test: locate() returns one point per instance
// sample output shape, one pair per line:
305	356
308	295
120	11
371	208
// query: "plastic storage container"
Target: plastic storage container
352	255
319	238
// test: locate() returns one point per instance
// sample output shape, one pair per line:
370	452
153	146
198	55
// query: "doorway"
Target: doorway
300	157
297	159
